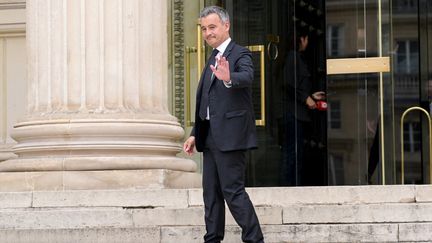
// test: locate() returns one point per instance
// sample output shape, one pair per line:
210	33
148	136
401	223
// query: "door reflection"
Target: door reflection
339	146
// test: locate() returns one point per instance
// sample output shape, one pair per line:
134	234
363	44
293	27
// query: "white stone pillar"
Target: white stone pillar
97	100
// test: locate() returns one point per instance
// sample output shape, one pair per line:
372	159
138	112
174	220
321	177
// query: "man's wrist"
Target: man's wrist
228	83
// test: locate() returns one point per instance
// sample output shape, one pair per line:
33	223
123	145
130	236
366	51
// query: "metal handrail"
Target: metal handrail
260	49
402	142
188	52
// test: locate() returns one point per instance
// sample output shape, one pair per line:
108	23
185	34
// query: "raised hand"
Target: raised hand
222	71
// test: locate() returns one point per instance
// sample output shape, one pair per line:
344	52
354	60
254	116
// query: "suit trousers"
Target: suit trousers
224	179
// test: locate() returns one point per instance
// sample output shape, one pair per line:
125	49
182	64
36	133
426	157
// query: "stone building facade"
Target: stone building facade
99	94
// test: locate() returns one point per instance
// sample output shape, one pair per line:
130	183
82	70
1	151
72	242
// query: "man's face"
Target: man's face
214	31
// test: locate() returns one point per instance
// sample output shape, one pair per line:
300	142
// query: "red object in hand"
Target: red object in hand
321	105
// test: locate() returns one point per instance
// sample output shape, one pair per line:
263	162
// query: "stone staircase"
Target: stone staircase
300	214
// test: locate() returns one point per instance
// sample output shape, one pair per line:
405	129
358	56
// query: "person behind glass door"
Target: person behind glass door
224	129
374	150
298	99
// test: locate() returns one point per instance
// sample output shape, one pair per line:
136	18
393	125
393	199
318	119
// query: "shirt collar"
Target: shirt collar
221	48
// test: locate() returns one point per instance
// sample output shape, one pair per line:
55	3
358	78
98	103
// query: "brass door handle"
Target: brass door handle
358	65
273	41
200	50
260	49
402	142
269	46
188	51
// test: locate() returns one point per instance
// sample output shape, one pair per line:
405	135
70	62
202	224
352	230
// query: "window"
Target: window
407	56
335	114
412	136
334	40
405	5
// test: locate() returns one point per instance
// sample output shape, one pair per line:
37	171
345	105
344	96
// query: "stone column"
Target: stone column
6	152
97	100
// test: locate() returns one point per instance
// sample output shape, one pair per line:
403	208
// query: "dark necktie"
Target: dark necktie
206	85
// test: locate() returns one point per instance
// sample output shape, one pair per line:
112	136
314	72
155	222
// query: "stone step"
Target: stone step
297	214
87	235
174	198
183	198
358	213
312	214
401	232
77	218
314	233
117	217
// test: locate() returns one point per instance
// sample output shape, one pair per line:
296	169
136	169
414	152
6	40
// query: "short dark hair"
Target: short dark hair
222	13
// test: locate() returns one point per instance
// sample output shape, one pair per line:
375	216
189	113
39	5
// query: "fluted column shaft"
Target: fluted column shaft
97	56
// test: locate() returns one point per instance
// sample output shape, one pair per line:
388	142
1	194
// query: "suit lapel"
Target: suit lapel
203	78
228	49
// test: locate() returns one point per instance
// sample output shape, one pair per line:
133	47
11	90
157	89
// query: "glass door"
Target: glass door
354	51
255	25
364	60
411	50
378	102
271	29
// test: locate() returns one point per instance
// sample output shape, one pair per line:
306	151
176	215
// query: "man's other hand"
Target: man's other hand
189	145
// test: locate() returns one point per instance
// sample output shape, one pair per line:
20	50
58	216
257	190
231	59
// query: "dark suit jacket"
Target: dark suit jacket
232	121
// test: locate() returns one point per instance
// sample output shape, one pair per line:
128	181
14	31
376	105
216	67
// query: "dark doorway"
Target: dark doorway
275	25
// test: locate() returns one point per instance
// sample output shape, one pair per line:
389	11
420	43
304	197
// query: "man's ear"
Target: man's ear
227	25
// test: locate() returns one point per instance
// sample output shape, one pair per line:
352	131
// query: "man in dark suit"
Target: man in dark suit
224	129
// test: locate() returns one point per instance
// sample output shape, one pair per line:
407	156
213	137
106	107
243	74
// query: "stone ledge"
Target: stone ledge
195	216
293	233
278	197
100	235
423	193
77	218
415	232
176	198
191	234
97	180
96	217
83	217
286	196
16	200
358	213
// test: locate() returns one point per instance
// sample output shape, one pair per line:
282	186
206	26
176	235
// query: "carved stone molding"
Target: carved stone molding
178	57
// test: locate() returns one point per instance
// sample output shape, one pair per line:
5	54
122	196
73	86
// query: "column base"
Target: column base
98	180
6	152
100	163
